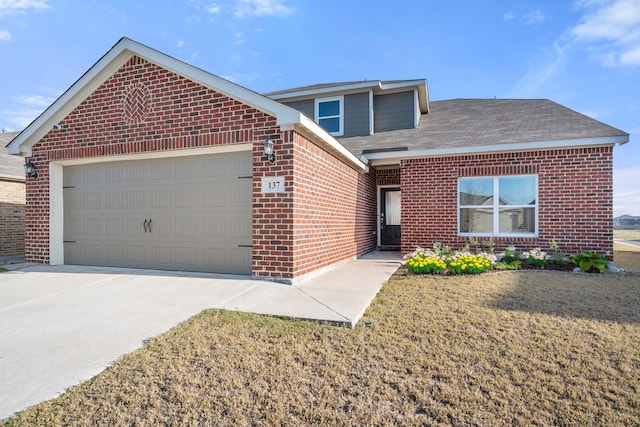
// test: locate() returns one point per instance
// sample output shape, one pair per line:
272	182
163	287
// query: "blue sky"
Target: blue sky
584	54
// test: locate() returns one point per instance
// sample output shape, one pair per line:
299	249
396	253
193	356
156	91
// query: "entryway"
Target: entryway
389	218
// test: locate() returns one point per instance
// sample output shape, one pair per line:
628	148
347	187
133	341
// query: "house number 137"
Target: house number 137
272	184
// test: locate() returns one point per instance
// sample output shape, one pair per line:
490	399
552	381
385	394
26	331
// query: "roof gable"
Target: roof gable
378	87
287	118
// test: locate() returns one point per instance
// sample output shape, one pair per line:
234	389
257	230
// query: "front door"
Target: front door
390	217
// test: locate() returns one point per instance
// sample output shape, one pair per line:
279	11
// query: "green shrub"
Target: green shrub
586	260
513	265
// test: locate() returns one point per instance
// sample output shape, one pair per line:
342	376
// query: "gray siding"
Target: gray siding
356	114
393	111
306	107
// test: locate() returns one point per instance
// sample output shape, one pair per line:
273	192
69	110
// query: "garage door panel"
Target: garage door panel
91	201
241	257
115	174
162	170
200	213
135	200
115	228
116	253
92	176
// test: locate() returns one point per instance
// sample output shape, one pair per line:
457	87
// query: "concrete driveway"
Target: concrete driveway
61	325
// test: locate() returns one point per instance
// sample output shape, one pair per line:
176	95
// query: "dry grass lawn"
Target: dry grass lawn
510	348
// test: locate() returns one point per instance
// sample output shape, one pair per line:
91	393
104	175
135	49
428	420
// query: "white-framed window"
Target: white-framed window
498	206
330	114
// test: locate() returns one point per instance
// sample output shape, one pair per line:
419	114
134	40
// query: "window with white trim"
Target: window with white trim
330	114
498	206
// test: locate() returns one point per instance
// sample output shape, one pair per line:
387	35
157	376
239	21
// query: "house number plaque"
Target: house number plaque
272	184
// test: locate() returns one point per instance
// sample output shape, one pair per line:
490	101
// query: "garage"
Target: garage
191	213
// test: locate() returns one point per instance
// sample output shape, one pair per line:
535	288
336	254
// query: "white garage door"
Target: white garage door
184	213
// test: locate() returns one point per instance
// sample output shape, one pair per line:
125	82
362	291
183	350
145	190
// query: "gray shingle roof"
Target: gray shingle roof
461	123
11	167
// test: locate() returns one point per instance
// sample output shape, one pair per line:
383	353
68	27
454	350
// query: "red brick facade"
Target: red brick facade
321	218
327	210
575	198
12	212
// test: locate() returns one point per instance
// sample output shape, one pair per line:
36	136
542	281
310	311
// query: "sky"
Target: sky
584	54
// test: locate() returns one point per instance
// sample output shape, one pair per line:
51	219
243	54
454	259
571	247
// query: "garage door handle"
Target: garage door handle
149	225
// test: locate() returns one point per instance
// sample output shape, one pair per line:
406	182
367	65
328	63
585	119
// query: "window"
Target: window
329	114
498	206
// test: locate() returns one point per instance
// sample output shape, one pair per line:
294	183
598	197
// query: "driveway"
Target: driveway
61	325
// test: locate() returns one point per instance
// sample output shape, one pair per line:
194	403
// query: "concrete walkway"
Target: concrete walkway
61	325
627	242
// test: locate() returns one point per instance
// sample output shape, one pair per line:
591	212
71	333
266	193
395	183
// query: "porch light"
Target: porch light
268	150
30	170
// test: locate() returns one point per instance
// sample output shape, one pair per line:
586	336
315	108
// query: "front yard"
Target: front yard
506	348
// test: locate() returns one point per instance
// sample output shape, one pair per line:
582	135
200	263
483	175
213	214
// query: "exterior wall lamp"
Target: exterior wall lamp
268	150
30	170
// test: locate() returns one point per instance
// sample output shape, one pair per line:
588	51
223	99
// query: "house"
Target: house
12	201
149	162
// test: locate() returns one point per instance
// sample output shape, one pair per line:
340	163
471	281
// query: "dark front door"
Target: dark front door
390	217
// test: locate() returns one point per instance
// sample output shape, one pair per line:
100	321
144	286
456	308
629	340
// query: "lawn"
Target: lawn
507	348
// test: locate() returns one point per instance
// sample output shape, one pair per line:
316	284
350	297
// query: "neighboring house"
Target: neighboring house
149	162
12	201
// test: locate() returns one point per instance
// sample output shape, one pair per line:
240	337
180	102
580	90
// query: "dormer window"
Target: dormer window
330	114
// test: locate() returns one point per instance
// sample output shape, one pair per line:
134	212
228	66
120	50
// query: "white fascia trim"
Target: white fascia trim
330	89
109	64
416	107
371	124
522	146
399	85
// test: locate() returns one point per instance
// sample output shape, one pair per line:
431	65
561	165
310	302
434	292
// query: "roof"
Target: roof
286	117
483	125
379	87
11	167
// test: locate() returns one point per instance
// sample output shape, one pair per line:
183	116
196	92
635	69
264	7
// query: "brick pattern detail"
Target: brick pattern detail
388	177
575	197
182	114
292	235
12	214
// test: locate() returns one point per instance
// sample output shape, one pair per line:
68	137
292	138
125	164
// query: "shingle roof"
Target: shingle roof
11	167
461	123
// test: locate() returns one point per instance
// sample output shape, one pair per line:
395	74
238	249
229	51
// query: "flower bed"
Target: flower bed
443	260
438	261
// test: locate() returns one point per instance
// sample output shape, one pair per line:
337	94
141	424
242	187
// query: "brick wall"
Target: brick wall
144	108
325	215
12	214
334	208
575	197
388	176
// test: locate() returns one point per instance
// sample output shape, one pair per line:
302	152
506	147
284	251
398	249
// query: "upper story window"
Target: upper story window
330	114
498	206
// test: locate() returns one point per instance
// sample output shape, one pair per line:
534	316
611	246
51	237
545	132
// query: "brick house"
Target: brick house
12	203
149	162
